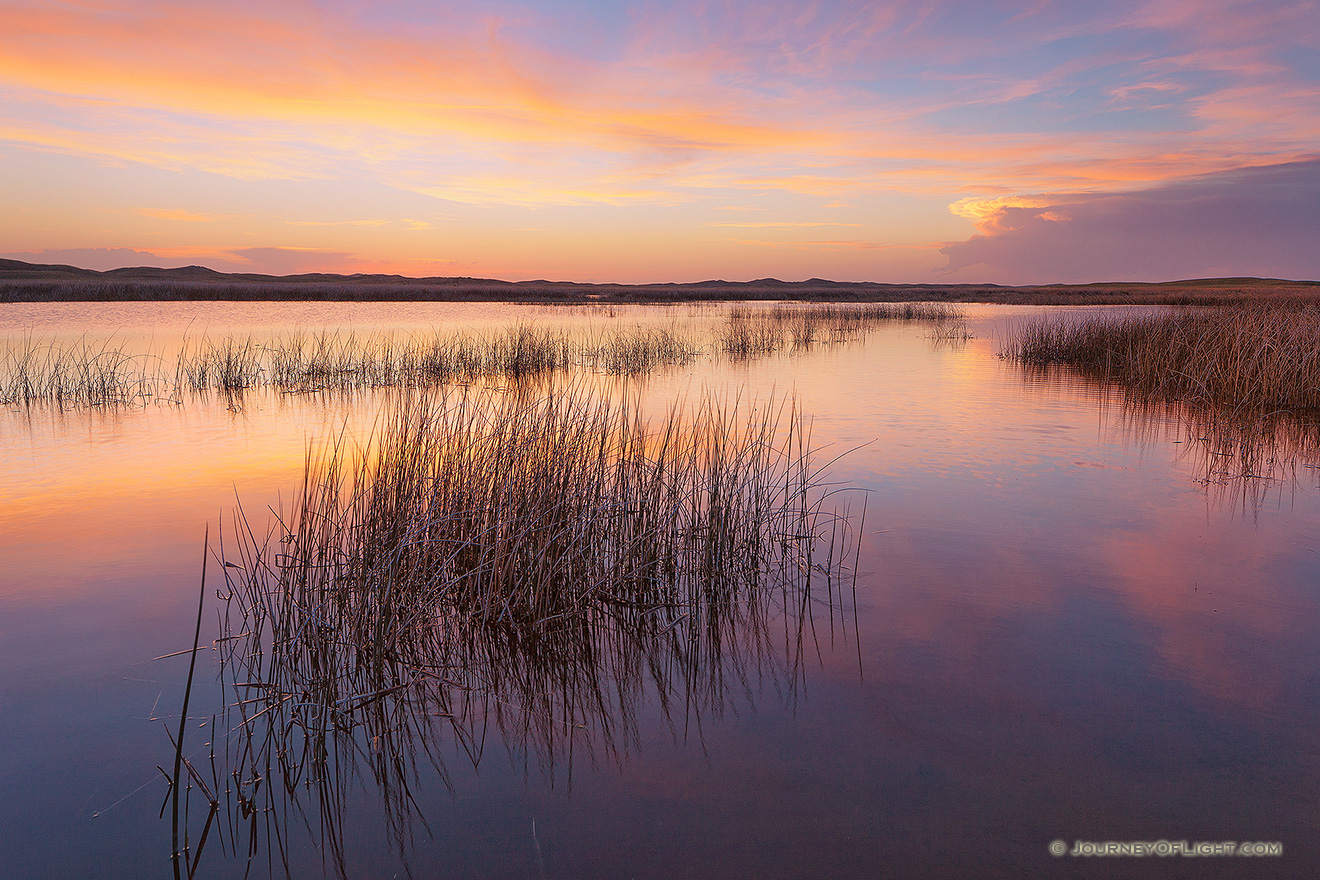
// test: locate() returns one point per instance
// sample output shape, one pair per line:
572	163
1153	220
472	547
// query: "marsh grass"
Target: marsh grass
81	374
539	564
1237	388
37	285
232	365
751	332
1255	356
345	360
76	374
642	350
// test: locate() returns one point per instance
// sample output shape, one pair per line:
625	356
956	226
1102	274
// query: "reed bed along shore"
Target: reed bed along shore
33	372
1242	356
1238	388
544	565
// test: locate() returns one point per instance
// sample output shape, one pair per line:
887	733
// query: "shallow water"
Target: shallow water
1065	628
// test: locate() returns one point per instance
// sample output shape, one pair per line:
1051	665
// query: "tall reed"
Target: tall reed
540	563
757	331
75	374
1262	356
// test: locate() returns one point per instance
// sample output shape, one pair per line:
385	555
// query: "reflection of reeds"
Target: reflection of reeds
1231	389
539	563
1242	455
1266	356
1241	383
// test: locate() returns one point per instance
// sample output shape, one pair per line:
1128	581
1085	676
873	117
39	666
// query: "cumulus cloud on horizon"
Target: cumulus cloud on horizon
1252	222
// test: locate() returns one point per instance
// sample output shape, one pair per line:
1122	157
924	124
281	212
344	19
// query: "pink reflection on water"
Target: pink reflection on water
1058	626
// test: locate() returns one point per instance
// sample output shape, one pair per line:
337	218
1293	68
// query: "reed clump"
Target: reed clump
642	350
232	365
537	563
1247	355
76	374
333	360
755	332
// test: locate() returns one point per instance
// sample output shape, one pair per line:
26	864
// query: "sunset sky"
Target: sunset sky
606	140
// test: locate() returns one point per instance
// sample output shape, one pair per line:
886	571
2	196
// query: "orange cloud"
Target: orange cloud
181	216
462	122
284	91
783	224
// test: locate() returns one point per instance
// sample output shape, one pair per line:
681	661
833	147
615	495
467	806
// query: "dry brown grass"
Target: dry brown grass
752	331
1251	355
38	285
543	564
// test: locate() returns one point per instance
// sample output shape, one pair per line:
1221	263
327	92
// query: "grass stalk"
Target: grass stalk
536	564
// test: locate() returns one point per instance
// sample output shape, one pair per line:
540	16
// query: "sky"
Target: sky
607	140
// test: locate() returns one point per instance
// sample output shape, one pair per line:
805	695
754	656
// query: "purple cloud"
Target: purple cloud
1255	221
292	261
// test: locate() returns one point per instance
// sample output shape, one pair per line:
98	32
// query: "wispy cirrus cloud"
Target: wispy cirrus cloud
260	89
650	117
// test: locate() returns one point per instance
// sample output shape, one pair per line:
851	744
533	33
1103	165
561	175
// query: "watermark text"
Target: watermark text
1164	848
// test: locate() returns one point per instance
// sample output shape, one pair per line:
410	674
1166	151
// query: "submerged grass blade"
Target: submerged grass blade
177	781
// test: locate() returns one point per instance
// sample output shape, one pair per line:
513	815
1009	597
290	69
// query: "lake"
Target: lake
1069	619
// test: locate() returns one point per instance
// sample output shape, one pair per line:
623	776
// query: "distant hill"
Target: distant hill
37	282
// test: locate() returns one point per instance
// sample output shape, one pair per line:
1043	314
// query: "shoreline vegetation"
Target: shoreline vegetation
1254	355
1240	384
82	374
30	282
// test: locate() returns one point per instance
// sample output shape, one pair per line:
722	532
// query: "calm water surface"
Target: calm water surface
1062	631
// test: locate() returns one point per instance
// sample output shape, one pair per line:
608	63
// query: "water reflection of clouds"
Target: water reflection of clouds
1184	597
1062	632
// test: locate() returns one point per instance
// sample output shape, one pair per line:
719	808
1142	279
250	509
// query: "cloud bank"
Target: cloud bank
1254	222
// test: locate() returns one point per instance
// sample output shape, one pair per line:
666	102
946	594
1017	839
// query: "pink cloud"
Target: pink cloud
294	261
